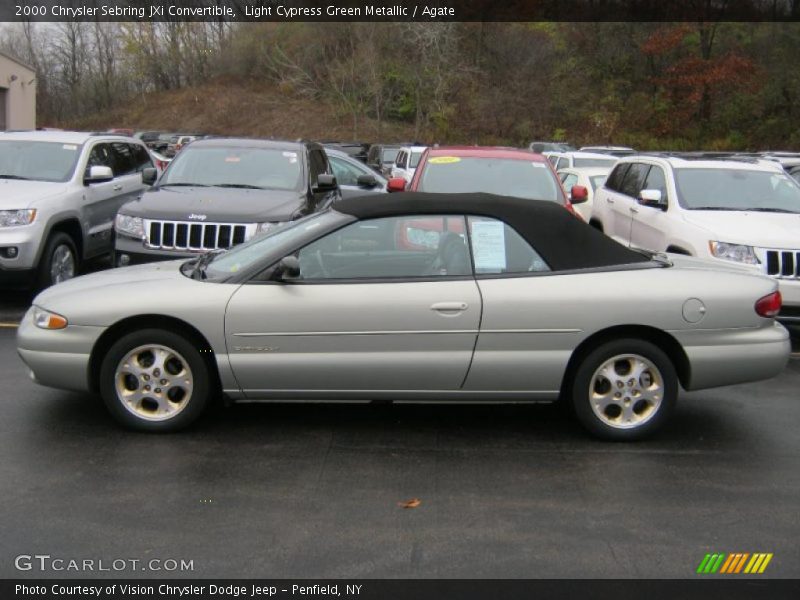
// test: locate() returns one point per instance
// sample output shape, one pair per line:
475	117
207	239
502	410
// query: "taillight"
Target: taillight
770	305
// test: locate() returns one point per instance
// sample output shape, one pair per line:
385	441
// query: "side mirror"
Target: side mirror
325	183
652	198
396	184
367	180
149	175
578	194
98	174
288	268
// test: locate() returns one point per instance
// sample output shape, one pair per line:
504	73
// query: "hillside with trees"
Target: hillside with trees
649	85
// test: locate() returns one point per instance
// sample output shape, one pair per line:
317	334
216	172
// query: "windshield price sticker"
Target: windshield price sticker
232	159
539	165
69	147
489	245
444	160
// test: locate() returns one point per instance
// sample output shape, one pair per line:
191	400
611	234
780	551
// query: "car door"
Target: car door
623	202
377	308
650	225
527	333
100	201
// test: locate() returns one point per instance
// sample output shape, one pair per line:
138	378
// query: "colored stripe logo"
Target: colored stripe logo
734	563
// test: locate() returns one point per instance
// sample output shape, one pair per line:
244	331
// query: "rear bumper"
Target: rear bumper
736	356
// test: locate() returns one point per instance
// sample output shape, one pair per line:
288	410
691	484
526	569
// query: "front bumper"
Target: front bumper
728	357
138	254
26	240
57	358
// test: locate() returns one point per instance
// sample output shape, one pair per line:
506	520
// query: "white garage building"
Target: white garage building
17	94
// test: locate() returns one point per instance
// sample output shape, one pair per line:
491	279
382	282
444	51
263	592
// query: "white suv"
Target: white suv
579	160
745	211
59	195
406	161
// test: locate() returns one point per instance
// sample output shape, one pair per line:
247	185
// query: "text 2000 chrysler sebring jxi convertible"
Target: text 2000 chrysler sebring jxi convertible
411	297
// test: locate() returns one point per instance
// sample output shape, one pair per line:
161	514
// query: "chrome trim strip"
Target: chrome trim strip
404	332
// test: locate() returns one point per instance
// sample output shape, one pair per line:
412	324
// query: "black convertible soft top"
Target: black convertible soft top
562	240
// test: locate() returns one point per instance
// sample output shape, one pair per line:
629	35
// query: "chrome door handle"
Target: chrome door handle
117	188
450	306
633	209
610	200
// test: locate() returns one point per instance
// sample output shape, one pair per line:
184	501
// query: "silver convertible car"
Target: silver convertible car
411	298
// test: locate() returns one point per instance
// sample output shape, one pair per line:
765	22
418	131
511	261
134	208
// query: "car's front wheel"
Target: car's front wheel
59	260
154	380
624	390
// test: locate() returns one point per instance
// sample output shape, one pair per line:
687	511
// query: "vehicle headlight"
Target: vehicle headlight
14	218
129	225
44	319
734	252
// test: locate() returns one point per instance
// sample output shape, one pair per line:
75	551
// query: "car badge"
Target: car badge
198	217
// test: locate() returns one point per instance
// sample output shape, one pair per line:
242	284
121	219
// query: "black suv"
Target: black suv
220	192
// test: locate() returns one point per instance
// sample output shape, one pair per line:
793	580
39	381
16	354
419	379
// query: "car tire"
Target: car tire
59	261
155	380
624	390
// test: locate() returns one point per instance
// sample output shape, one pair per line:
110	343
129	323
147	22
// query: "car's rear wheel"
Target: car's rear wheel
154	380
624	390
59	260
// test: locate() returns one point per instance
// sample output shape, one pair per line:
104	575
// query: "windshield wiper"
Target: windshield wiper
183	184
712	208
238	185
14	177
202	262
769	209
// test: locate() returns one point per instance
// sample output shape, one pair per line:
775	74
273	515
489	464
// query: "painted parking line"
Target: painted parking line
9	325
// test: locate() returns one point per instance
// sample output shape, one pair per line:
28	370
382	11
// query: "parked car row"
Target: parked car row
478	279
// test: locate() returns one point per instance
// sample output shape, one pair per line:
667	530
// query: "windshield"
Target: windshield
737	189
389	154
502	176
415	156
278	241
265	168
39	161
593	162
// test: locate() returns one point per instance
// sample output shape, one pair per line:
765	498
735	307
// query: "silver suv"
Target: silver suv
59	195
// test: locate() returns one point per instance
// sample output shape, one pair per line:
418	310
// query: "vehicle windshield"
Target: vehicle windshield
277	241
389	154
502	176
38	161
415	156
265	168
737	189
593	162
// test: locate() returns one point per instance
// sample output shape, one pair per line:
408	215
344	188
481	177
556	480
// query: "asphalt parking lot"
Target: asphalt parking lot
313	490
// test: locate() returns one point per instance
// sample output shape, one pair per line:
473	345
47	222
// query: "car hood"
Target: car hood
219	205
103	298
16	194
764	230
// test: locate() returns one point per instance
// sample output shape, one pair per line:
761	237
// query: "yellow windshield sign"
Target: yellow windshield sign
444	160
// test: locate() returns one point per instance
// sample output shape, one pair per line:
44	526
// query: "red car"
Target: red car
502	171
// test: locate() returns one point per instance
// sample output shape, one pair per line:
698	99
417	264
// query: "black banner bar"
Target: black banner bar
733	588
399	10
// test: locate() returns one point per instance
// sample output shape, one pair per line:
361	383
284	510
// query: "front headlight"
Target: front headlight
735	252
44	319
133	226
15	218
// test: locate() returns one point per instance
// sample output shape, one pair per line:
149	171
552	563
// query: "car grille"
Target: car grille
783	264
178	235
